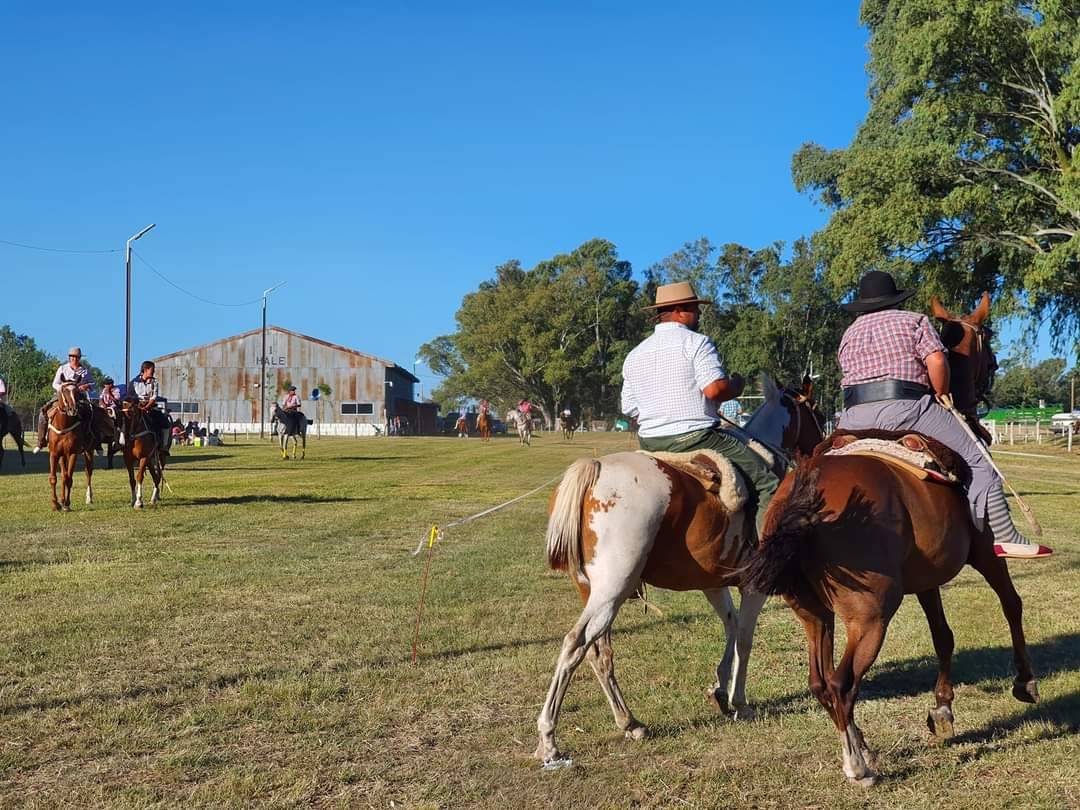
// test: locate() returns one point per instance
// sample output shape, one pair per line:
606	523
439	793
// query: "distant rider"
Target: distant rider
291	406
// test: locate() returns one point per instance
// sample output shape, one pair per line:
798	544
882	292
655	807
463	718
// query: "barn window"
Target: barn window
357	408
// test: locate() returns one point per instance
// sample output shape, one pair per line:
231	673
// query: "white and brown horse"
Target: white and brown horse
142	445
630	518
69	437
523	423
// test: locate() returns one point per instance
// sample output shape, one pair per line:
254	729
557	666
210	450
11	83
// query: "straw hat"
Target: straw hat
670	295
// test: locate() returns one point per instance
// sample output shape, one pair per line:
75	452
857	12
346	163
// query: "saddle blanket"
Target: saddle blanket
913	452
713	471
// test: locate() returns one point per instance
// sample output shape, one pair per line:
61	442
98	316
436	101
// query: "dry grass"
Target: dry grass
248	642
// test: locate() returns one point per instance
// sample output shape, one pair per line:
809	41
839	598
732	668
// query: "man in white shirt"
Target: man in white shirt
672	384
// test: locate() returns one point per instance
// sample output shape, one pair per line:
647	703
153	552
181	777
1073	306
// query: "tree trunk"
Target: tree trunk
546	411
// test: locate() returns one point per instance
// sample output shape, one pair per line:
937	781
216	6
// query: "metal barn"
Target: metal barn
219	383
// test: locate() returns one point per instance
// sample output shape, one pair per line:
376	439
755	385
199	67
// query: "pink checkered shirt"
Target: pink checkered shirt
888	345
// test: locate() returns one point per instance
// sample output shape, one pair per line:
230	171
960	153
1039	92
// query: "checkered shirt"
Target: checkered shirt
888	345
663	378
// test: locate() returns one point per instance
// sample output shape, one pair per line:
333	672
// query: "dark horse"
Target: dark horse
850	535
294	426
10	424
569	427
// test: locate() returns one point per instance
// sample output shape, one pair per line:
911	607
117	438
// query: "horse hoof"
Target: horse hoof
1026	691
65	508
636	731
137	506
718	699
56	507
940	722
557	763
869	780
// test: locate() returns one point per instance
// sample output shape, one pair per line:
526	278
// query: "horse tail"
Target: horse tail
775	567
564	522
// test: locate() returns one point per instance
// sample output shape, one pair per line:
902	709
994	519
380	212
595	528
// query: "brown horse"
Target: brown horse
69	437
849	536
483	426
629	518
10	424
141	444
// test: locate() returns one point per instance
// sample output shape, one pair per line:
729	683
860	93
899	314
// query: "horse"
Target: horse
483	426
10	424
293	426
569	427
850	535
626	519
69	437
104	421
141	444
523	424
462	427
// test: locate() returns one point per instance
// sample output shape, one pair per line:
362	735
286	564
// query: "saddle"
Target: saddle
919	455
713	471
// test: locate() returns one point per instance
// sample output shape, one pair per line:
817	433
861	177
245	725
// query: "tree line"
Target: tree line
963	177
28	371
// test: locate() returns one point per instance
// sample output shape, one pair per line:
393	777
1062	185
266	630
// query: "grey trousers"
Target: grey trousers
925	415
763	482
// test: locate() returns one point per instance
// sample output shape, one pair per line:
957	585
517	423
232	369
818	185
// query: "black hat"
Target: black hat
877	290
108	381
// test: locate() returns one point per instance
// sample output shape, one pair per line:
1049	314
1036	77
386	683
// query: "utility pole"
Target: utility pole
127	319
262	381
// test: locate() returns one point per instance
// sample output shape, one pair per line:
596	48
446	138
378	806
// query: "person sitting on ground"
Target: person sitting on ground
291	406
144	389
672	384
893	362
73	371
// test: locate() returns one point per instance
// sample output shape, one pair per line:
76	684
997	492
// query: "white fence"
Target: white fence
1032	432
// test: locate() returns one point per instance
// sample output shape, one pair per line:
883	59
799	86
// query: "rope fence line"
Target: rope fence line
436	533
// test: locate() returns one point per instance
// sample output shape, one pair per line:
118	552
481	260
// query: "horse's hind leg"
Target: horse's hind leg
996	574
720	599
602	660
750	604
595	621
940	718
53	464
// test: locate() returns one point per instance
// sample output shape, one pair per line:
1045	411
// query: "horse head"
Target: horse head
788	419
972	363
67	399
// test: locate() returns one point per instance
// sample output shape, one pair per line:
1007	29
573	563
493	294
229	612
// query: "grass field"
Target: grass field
247	643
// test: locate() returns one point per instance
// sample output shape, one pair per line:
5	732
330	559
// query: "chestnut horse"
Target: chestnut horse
850	535
10	424
483	426
629	518
69	437
141	444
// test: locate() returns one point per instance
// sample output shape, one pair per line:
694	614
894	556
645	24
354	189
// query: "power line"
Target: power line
171	283
54	250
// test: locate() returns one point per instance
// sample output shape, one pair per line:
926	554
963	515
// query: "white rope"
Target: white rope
470	518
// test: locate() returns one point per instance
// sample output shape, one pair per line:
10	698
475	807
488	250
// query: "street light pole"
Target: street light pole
421	398
127	319
262	381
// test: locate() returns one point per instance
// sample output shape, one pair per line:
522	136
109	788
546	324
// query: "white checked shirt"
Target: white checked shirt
663	378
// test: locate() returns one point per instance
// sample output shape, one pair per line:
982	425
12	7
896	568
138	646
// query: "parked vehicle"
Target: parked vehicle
1060	422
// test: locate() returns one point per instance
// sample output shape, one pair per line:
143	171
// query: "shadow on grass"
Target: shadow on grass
239	499
369	458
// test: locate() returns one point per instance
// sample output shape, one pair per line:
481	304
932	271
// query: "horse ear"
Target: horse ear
807	389
769	389
939	311
982	311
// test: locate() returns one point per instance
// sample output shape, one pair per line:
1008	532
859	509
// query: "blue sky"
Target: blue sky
383	159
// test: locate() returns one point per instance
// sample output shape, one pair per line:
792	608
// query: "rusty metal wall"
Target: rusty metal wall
223	377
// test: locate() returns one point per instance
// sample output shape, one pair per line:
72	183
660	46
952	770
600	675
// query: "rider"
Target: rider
891	359
144	388
672	384
291	407
109	397
75	372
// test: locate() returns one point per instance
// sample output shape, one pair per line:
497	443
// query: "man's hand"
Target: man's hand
723	390
84	387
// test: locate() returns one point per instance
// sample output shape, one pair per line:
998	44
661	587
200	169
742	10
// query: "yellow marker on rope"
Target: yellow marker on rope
434	534
423	590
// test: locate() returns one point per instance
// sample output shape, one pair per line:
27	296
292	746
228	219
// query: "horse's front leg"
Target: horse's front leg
89	460
53	459
68	467
138	482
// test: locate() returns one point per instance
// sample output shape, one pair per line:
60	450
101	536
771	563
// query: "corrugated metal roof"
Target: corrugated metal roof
269	328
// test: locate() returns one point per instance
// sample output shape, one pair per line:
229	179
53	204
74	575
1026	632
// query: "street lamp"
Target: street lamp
262	380
127	320
414	362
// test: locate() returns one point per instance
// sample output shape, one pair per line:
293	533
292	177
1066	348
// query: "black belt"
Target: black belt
880	390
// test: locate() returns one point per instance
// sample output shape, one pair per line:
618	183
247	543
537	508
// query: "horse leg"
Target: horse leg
602	660
53	460
594	622
89	460
138	482
750	605
996	573
303	451
720	599
866	616
940	718
818	624
156	473
69	461
130	464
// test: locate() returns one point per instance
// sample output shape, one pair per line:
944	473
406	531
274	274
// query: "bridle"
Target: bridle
799	401
982	357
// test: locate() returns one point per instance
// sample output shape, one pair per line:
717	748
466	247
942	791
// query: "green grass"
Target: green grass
247	643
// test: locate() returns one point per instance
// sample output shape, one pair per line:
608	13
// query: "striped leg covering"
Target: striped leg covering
1008	542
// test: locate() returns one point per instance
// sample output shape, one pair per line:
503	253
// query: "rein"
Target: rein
68	429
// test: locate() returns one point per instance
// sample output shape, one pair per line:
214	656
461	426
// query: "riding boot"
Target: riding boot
1008	542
